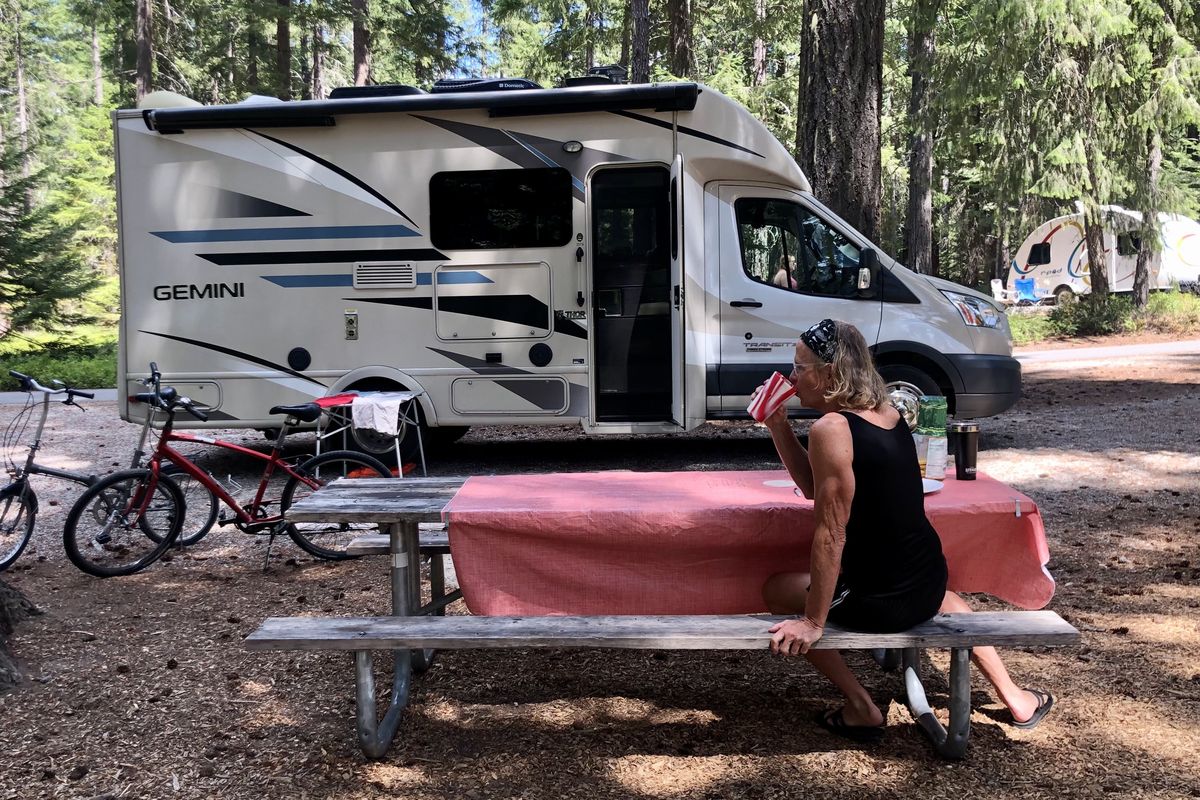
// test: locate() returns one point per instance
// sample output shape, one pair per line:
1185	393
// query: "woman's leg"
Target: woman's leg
1021	703
786	593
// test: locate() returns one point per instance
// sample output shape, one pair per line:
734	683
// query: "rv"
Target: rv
1055	255
630	258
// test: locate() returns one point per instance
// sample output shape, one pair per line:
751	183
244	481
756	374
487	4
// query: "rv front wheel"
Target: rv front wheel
905	385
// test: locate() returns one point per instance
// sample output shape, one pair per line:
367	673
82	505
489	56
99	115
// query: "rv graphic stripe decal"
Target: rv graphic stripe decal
282	234
408	302
530	152
569	327
478	365
708	137
335	168
228	204
458	277
521	309
310	281
322	256
236	354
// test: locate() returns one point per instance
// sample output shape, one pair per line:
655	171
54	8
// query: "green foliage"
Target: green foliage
81	366
1093	316
1169	312
1029	328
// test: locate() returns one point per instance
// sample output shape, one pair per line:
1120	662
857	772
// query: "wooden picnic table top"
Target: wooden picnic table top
381	500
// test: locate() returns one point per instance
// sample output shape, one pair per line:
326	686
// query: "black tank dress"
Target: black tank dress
893	571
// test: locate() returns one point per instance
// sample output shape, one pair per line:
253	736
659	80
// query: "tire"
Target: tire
200	506
1063	296
329	540
905	385
108	532
18	514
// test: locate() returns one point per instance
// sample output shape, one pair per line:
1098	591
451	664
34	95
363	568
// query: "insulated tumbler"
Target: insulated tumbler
964	445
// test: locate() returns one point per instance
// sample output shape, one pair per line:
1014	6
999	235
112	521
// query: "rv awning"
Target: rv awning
513	103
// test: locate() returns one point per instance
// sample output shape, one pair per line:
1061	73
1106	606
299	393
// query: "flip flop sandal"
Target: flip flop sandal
835	722
1045	703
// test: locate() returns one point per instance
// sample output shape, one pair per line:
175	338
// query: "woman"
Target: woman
876	562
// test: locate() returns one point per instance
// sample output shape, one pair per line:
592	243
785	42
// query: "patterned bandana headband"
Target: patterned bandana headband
822	340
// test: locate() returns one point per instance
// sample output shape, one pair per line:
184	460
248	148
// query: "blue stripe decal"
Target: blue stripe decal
578	184
310	281
342	279
461	277
287	234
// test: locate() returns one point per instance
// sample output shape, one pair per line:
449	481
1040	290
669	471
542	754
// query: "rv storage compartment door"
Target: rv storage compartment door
493	301
509	395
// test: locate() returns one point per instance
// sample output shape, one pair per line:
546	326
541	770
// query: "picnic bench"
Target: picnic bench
414	631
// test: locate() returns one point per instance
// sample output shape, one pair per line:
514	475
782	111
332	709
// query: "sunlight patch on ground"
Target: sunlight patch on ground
668	776
1139	727
1162	469
581	714
392	776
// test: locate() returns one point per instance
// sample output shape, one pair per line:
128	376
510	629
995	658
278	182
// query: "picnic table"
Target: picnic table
506	533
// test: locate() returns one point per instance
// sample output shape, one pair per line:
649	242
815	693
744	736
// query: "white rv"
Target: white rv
608	255
1055	255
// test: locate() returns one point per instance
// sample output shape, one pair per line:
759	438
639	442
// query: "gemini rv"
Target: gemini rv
1055	255
632	258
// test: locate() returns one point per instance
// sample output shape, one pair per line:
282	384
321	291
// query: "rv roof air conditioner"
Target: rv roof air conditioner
383	90
598	76
446	85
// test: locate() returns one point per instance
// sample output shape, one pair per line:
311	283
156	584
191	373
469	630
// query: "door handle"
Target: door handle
745	304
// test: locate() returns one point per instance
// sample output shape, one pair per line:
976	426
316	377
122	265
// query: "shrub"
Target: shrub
84	366
1092	316
1169	312
1029	328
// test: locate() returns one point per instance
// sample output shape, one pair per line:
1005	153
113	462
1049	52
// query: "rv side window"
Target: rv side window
1128	244
491	209
1039	254
787	246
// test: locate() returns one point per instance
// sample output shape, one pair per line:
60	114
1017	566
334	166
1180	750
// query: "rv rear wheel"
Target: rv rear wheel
1064	296
905	385
383	447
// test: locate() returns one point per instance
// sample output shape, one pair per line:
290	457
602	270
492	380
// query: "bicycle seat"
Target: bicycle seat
305	412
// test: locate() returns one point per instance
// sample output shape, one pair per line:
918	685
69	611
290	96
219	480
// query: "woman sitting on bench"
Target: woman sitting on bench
876	563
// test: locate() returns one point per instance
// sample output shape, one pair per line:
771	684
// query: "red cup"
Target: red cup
776	392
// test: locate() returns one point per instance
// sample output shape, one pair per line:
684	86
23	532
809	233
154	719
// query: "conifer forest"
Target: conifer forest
944	130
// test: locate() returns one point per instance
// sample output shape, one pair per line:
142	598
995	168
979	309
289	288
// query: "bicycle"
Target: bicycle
18	501
126	521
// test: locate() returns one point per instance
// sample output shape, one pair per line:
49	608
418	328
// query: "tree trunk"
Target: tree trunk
626	25
640	67
841	93
362	43
97	72
145	48
758	70
14	607
918	226
1148	244
591	24
683	62
318	63
283	50
23	117
252	47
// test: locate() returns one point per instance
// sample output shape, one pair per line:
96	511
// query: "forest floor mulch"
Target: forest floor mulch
140	687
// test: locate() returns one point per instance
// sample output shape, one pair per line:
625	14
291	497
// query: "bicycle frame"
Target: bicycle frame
271	462
33	468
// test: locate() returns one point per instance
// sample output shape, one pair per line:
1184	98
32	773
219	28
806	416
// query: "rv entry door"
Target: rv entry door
632	278
677	294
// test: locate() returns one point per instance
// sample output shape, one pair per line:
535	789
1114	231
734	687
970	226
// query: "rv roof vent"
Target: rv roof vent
384	90
385	275
481	85
614	72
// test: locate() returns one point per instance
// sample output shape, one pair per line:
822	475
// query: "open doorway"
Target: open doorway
631	273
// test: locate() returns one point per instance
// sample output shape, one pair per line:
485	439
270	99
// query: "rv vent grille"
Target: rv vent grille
401	275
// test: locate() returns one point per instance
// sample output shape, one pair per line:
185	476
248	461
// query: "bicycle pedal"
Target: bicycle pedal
103	538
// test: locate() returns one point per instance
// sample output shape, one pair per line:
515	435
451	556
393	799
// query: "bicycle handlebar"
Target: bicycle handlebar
30	384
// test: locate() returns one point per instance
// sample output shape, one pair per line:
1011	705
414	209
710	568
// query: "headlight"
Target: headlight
975	311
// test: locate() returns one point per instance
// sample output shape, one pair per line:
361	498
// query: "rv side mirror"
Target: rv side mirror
1039	254
868	272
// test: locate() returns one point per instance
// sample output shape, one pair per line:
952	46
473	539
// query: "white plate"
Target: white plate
780	484
930	485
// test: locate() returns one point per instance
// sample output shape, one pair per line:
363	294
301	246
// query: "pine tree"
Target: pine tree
40	270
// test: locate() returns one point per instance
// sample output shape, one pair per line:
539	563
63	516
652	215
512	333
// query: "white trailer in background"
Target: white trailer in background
606	255
1055	255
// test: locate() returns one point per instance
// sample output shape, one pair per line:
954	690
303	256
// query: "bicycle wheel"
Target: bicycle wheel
123	523
18	512
200	507
329	539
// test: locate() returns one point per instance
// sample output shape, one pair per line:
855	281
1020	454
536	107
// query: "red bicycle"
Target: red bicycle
127	520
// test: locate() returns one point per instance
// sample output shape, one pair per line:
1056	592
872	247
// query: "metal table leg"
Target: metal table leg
950	743
375	735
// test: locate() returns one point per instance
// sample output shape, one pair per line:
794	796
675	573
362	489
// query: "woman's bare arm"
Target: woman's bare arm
831	456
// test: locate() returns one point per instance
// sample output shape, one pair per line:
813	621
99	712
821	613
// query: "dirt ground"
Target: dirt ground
140	687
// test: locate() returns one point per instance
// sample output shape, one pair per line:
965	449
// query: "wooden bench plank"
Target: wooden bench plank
432	537
1000	628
